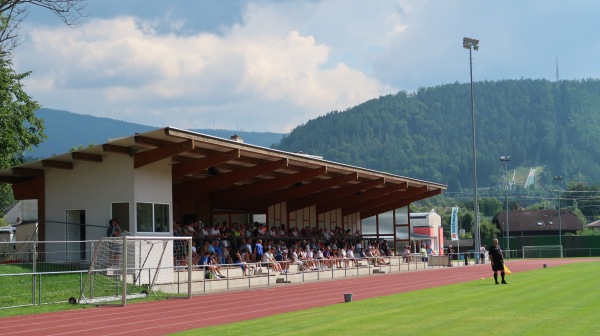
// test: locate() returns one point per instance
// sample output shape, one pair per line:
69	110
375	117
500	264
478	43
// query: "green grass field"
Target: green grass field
550	301
52	290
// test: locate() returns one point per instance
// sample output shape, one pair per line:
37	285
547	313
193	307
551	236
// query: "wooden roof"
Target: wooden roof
537	220
246	176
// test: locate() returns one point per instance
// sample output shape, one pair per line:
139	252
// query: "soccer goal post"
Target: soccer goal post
543	251
129	267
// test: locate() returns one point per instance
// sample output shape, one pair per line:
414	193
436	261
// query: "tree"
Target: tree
487	229
20	129
13	12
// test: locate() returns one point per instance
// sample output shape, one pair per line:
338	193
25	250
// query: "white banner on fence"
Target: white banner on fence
454	224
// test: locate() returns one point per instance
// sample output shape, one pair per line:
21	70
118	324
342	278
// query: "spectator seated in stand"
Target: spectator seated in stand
320	259
295	259
206	264
370	256
195	255
310	258
216	264
218	251
284	261
328	257
378	254
238	259
269	259
350	255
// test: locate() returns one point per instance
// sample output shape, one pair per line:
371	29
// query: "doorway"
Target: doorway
75	227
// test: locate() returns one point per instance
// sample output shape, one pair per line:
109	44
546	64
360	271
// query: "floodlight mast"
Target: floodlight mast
559	178
473	44
505	159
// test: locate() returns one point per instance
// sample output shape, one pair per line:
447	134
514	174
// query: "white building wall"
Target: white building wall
89	186
153	184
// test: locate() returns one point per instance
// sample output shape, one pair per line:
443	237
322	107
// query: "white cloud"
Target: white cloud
271	65
263	75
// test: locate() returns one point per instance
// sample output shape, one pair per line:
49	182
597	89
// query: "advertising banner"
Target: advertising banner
454	224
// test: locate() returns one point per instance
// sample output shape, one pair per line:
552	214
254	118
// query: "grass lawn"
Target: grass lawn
550	301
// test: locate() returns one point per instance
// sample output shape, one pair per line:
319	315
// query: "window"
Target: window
385	222
550	223
152	217
540	223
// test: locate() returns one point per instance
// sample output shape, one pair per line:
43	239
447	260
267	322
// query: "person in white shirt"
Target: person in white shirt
350	255
342	257
327	234
214	231
269	259
482	252
310	258
319	259
296	259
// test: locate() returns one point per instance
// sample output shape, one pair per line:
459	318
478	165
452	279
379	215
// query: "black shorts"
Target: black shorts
498	266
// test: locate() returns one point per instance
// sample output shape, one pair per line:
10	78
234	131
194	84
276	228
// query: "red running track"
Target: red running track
169	316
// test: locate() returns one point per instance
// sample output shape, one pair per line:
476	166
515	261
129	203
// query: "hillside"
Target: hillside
66	130
427	134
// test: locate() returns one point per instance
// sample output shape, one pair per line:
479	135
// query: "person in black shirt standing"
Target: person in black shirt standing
497	260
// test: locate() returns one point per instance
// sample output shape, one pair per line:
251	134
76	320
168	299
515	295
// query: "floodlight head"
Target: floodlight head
505	158
469	43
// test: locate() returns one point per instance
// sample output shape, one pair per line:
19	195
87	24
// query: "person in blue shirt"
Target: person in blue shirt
258	251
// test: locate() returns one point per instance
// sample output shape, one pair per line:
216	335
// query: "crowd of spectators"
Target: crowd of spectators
277	247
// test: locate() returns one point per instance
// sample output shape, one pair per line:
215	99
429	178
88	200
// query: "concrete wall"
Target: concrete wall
89	186
25	210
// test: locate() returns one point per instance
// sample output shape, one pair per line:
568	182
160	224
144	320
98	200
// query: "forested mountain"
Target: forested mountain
427	134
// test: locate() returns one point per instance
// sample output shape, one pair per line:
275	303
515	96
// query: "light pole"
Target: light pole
505	159
559	178
473	44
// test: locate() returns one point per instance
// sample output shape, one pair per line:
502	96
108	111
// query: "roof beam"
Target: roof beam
295	192
141	159
213	183
11	179
57	164
118	149
390	198
239	193
332	194
399	203
151	141
360	197
86	156
186	168
27	171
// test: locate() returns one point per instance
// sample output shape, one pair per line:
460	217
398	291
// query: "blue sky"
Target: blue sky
271	65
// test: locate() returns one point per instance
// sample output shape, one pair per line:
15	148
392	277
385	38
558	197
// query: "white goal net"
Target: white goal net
128	267
544	251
